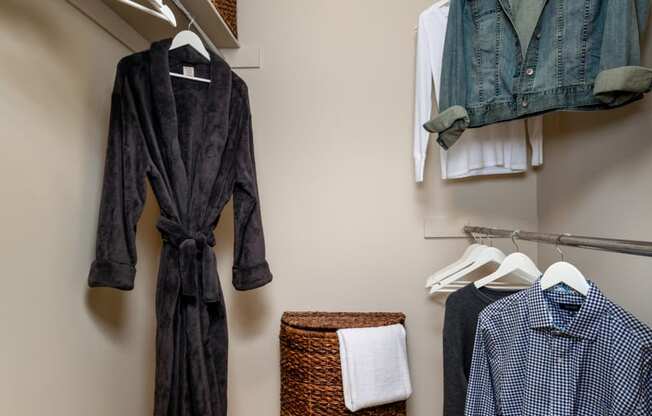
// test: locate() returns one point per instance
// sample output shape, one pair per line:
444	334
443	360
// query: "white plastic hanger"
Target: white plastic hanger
162	11
458	284
463	262
489	255
455	286
564	272
516	264
468	258
190	38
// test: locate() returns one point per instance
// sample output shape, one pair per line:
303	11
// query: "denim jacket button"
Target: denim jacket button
525	103
530	71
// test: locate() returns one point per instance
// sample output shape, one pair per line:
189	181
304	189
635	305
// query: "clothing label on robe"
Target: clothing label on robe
188	71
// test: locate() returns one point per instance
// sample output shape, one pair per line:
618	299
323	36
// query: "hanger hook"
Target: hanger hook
475	238
491	242
561	253
514	235
191	22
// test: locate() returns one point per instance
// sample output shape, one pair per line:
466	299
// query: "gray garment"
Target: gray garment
460	321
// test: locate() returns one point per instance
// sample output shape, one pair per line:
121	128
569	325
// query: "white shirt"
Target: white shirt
490	150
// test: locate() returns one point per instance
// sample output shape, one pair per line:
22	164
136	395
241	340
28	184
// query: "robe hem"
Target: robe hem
106	273
249	278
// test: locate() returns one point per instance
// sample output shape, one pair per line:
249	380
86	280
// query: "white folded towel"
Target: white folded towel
374	366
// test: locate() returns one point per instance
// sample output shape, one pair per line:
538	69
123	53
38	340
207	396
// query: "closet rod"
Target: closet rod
637	248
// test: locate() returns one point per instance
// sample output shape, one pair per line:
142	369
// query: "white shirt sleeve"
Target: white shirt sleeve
423	99
535	133
430	53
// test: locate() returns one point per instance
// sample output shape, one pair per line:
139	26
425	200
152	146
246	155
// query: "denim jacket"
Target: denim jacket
508	59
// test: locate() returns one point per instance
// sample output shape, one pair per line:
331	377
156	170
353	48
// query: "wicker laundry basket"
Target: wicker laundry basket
311	376
228	9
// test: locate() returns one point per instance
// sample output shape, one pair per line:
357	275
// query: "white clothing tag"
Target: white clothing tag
188	71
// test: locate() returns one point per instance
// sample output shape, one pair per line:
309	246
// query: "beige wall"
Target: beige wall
65	351
344	221
597	181
333	109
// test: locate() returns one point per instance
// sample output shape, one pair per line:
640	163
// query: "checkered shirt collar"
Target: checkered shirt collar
585	324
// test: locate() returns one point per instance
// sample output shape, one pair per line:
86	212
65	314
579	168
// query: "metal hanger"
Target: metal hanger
162	11
559	251
564	272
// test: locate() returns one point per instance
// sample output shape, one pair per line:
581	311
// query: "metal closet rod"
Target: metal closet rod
637	248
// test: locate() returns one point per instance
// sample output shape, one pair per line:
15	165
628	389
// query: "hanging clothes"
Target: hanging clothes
193	141
510	59
462	310
556	352
491	150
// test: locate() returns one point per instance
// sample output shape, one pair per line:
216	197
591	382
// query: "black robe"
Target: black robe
193	142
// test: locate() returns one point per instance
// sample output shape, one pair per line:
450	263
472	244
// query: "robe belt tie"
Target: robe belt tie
196	259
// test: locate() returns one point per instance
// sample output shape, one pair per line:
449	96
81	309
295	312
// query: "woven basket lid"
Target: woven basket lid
331	321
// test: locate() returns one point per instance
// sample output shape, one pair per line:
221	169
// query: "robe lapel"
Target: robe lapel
168	128
213	140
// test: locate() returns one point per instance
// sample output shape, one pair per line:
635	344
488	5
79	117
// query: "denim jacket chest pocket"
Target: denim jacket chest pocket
496	59
486	49
508	59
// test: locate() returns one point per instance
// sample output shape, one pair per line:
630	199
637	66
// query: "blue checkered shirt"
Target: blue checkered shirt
554	352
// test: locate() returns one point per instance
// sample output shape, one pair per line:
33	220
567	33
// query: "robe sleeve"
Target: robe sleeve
250	268
123	194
